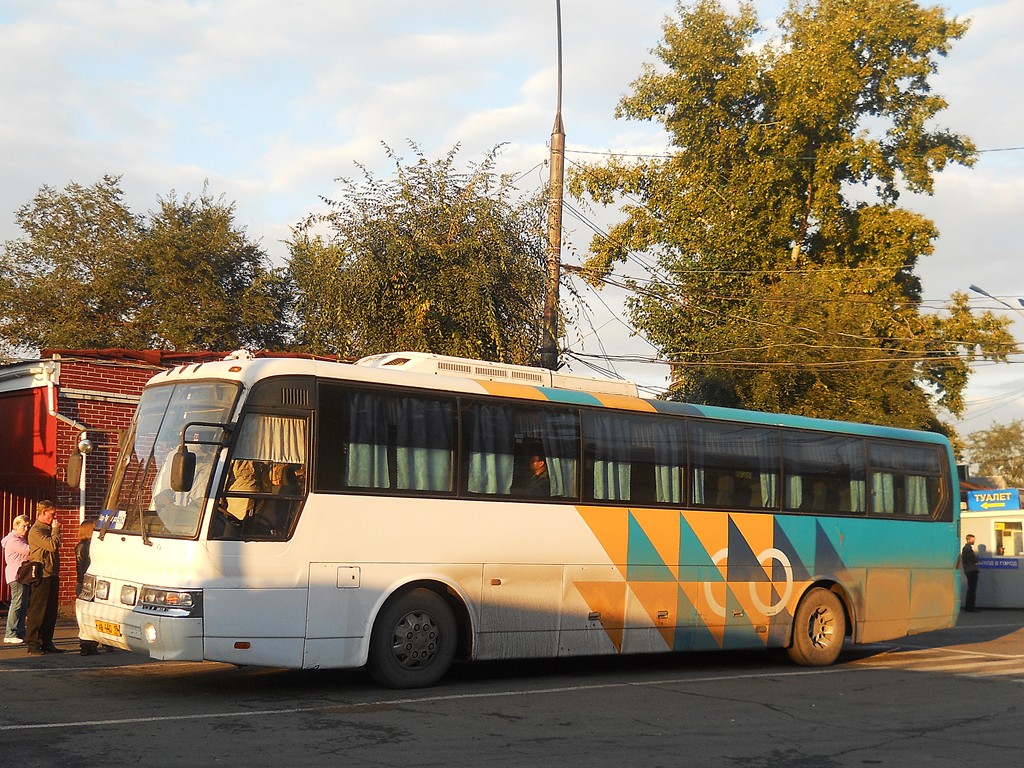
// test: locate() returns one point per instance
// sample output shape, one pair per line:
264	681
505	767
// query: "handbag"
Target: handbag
30	573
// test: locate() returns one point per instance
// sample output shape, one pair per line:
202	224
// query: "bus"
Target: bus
409	510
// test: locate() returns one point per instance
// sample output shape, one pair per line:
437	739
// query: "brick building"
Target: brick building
48	407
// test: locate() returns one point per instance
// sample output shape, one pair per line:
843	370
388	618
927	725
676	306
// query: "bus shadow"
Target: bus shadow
218	680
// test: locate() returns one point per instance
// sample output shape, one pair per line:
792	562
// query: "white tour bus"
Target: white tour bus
413	509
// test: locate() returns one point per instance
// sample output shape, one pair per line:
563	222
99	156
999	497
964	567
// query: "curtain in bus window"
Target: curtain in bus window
699	496
903	477
769	482
367	462
669	441
424	444
917	496
858	498
561	441
883	493
611	438
279	439
491	454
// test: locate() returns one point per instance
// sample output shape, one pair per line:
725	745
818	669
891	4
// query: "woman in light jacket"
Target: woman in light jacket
15	546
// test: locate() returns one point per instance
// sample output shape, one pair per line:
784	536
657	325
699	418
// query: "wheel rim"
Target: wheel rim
416	640
822	627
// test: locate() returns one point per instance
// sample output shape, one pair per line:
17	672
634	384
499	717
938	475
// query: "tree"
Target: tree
434	260
999	450
208	286
786	270
72	281
90	273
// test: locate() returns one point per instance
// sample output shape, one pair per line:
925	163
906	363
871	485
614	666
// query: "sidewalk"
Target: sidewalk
65	636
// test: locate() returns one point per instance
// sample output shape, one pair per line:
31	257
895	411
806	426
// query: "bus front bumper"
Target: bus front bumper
159	636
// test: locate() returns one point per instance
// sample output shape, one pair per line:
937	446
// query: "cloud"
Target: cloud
270	102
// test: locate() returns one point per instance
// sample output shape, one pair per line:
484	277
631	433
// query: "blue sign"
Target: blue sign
1006	563
116	525
993	500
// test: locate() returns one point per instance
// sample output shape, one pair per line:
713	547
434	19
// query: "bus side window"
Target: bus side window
553	436
906	481
823	473
631	458
489	460
735	466
265	482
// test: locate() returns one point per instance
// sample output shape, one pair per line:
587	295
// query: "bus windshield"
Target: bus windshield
141	499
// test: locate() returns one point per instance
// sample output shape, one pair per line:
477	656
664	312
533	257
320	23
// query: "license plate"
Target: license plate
109	628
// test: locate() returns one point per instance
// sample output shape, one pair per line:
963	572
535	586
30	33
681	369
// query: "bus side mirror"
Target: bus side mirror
183	470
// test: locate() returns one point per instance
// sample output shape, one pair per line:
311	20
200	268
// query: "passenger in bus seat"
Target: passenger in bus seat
284	479
538	484
726	489
244	476
273	517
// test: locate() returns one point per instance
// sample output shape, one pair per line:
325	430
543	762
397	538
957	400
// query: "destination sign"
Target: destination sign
1006	563
993	500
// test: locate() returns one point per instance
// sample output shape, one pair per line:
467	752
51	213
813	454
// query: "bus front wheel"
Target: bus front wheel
819	627
413	641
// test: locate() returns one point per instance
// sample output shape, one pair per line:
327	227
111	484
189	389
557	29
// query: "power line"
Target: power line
669	155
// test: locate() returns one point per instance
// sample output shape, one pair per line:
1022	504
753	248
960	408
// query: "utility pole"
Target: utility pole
553	271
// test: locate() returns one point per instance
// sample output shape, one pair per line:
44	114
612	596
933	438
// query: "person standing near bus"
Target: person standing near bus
969	562
82	562
15	546
44	547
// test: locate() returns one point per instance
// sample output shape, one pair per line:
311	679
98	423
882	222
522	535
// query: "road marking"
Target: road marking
965	663
367	705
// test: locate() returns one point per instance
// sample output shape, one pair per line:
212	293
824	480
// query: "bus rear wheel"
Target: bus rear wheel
819	628
413	641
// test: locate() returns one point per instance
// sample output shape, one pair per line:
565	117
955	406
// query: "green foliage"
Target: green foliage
433	260
89	273
786	271
209	287
999	450
71	281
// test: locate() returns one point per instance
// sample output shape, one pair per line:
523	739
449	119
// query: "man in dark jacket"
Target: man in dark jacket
44	547
969	562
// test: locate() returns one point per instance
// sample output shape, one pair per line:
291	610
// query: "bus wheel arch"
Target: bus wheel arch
417	633
820	625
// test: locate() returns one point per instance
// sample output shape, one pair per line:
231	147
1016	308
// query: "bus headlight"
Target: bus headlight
171	602
128	595
88	587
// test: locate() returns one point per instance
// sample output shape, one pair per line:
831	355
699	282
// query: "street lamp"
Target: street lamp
983	292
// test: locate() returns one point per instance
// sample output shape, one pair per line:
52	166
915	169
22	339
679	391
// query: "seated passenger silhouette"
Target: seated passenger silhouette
538	485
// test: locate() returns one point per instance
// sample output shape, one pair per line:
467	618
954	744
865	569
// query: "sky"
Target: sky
268	103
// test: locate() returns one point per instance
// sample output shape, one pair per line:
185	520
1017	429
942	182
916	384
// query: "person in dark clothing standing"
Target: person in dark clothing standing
44	547
969	562
82	563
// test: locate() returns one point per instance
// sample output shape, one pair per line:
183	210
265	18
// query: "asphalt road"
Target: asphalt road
951	698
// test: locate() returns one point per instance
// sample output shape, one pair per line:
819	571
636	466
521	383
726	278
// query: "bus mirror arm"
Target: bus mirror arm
225	430
183	463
